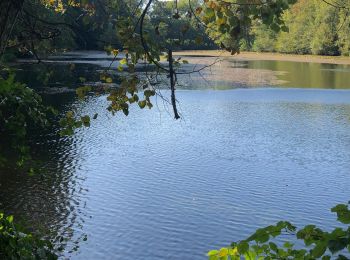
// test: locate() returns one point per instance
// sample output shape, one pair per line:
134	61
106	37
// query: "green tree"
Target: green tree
183	31
325	36
343	28
314	27
264	38
300	20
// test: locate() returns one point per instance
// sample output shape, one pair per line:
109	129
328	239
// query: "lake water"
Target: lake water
149	187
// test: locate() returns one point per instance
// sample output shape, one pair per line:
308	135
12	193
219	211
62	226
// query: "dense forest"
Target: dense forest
310	27
313	27
97	25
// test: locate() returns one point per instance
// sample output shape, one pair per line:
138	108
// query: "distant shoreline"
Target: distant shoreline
341	60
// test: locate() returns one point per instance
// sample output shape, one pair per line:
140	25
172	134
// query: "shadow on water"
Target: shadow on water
50	201
61	75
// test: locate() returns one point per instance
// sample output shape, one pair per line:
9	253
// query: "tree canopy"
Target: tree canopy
314	27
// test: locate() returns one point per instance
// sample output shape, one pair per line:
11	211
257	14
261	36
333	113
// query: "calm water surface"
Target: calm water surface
149	187
307	75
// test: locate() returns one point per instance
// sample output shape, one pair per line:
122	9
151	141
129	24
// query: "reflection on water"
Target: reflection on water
67	70
307	75
148	186
50	75
239	160
50	201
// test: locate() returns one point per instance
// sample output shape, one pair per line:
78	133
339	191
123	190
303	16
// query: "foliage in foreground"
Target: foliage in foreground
21	109
319	244
228	24
15	244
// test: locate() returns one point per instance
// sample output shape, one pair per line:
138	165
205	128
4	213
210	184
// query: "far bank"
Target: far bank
343	60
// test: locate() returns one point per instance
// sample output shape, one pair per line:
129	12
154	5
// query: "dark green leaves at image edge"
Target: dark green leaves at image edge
21	109
319	244
16	244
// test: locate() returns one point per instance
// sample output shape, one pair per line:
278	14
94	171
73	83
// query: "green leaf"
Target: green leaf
273	246
212	253
337	245
209	12
142	104
82	91
148	93
85	120
109	80
250	255
243	247
126	111
343	213
123	61
78	124
319	249
70	114
9	219
223	252
288	245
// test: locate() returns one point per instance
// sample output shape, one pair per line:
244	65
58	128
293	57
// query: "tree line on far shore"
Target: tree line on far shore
314	27
311	27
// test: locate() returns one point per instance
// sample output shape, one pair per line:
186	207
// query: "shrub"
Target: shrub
16	244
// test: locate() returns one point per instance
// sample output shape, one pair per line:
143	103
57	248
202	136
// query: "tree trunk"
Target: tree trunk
9	10
172	75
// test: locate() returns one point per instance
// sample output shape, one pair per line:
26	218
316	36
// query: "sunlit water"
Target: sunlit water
149	187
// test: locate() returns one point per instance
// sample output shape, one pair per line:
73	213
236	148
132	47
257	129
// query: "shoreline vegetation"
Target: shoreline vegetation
339	60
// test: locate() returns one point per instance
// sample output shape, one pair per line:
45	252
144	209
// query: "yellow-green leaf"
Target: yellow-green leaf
109	80
142	104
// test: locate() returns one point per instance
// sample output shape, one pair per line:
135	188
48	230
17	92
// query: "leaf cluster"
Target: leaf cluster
21	110
319	244
227	22
16	244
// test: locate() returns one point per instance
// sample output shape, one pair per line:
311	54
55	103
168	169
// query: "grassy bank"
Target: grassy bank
269	56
